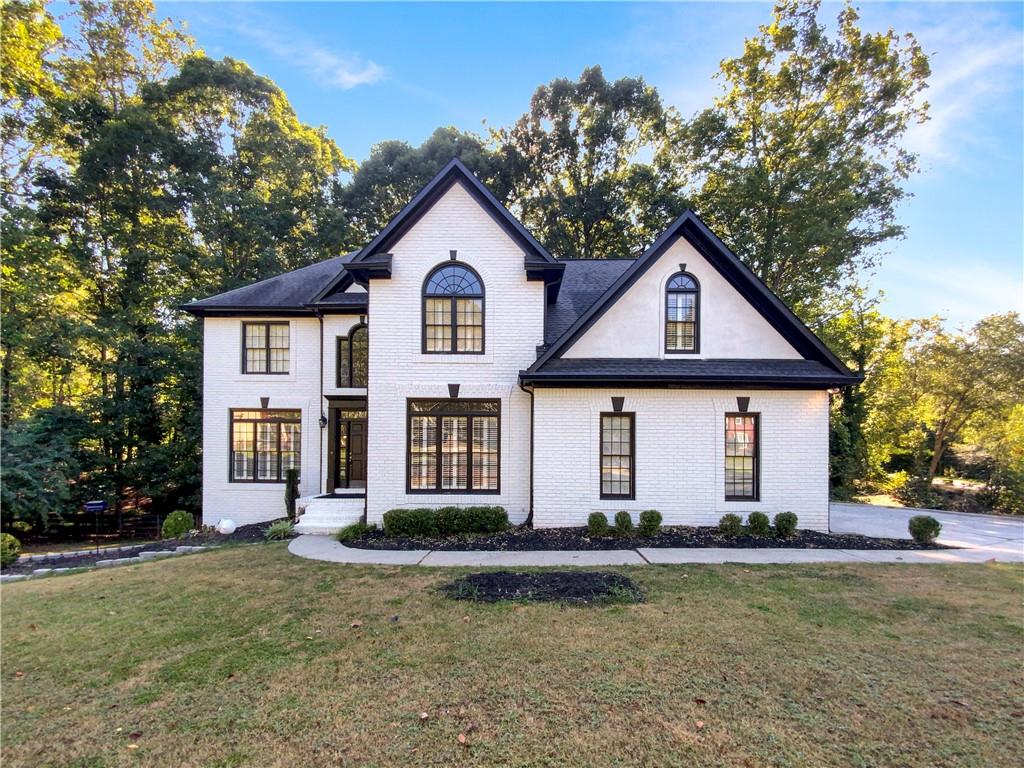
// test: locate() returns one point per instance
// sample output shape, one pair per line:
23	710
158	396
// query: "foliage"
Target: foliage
354	531
650	522
480	519
574	179
759	524
730	525
291	492
915	491
785	524
282	529
10	549
924	528
177	524
413	521
623	523
597	524
800	163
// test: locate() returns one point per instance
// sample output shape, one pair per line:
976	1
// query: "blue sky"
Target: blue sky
371	72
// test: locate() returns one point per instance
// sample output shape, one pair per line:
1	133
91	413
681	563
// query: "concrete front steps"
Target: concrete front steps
326	515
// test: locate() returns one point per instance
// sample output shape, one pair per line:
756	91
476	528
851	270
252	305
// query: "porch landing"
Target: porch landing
325	515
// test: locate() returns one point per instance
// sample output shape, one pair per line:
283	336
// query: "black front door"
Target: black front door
349	448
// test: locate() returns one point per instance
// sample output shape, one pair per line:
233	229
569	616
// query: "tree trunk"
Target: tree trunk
938	448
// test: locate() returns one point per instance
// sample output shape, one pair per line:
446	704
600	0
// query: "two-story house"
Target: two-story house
454	361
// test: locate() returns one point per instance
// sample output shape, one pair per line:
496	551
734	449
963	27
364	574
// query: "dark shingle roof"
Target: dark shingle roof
583	282
290	291
688	372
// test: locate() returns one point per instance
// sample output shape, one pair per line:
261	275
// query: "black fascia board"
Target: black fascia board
559	379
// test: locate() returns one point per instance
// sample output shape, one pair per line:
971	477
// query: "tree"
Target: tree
395	171
573	168
799	165
958	378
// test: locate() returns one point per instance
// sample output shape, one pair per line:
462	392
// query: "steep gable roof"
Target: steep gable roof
738	274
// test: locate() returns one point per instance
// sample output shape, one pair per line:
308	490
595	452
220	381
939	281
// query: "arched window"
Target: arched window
682	313
453	311
352	357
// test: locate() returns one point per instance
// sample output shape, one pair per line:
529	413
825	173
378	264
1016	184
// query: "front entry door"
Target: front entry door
349	448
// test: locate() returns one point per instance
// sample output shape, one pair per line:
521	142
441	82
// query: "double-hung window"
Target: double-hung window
742	449
265	444
618	446
682	314
265	347
453	446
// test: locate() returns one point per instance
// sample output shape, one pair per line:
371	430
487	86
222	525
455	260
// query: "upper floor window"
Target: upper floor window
352	357
682	313
453	311
265	347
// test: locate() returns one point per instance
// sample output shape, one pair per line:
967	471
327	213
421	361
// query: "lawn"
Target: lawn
249	656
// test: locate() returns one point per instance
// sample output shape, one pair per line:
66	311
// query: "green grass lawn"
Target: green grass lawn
249	656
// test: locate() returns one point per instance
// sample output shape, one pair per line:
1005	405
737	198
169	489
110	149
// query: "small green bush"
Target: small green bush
416	521
10	548
354	531
924	528
176	524
759	524
623	523
597	524
282	529
484	520
730	525
785	524
650	522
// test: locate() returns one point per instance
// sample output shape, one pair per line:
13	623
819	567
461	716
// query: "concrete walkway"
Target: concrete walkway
981	538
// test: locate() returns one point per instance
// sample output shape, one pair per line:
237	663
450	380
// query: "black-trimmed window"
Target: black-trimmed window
742	456
265	444
454	446
618	446
353	351
682	313
453	311
265	347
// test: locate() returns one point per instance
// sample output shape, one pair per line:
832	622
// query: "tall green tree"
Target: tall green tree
800	164
585	167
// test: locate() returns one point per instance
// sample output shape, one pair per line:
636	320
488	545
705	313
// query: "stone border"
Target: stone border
142	557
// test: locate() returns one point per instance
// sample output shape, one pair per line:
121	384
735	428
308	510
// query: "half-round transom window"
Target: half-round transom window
682	313
453	311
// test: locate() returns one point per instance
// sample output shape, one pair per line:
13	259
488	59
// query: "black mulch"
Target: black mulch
577	587
243	534
522	538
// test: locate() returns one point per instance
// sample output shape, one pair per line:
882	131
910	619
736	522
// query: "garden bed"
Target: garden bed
576	587
243	534
524	539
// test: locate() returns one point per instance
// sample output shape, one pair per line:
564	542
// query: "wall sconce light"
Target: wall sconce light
323	421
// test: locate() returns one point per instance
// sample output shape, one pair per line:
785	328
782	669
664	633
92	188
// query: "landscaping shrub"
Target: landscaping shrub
176	524
759	524
10	548
623	523
354	531
416	521
291	491
785	524
597	524
730	525
924	528
282	529
650	522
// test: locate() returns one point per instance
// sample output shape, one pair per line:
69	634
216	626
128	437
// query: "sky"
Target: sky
371	72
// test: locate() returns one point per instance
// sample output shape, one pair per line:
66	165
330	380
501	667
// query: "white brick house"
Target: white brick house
453	360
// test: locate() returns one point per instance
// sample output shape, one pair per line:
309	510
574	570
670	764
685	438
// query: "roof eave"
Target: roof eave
557	379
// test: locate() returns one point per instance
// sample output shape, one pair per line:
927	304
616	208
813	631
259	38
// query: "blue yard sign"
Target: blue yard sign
96	506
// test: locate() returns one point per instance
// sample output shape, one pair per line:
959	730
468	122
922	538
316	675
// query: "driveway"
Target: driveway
982	536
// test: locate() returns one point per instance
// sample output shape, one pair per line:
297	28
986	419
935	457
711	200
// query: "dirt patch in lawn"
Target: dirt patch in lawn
575	587
525	539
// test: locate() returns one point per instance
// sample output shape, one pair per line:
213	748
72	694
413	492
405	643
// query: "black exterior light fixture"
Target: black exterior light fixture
323	421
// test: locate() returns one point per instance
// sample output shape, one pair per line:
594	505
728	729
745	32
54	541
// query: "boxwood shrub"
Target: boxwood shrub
924	528
10	548
446	521
730	525
623	523
785	524
650	522
412	521
176	524
597	524
759	524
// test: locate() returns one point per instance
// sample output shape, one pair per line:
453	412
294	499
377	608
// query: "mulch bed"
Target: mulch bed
244	534
522	539
576	587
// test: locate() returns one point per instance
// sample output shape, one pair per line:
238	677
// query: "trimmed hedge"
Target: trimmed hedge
424	521
730	525
650	522
785	524
176	524
10	549
924	528
759	524
597	524
623	523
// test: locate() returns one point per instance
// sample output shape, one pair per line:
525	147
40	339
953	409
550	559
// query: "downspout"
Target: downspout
320	404
529	516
